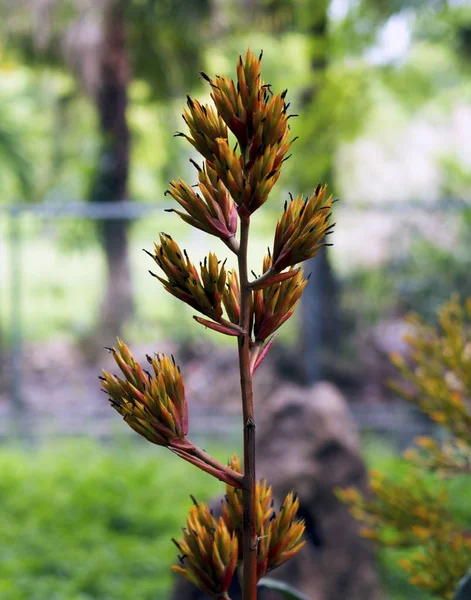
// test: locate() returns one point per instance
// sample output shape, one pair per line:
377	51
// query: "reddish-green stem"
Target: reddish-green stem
260	280
233	244
204	461
249	549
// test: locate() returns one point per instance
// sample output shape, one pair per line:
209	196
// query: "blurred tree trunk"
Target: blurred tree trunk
320	316
111	179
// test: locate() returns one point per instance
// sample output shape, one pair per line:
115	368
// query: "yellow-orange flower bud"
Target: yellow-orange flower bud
153	404
209	552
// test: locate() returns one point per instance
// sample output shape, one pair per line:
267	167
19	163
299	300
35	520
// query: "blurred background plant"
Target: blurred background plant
384	93
417	515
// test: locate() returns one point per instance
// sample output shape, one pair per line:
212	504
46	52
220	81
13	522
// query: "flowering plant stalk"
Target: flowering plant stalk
243	139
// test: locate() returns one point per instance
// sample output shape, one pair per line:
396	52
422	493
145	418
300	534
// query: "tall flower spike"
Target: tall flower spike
279	535
301	230
274	304
203	293
154	405
209	553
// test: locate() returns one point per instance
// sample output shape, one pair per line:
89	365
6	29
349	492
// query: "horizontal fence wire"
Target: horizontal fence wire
136	209
382	419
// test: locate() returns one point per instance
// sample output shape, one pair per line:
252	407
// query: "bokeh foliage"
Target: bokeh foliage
88	522
416	513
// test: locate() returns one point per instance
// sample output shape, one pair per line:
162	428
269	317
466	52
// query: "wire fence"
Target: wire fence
52	415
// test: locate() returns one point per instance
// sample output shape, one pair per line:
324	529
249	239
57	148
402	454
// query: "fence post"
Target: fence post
16	323
311	326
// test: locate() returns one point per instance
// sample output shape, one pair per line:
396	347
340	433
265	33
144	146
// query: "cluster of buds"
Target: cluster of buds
411	516
279	537
439	378
154	405
259	120
202	291
209	552
213	211
302	228
453	456
279	534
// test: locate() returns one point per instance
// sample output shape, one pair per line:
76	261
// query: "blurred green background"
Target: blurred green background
383	90
84	521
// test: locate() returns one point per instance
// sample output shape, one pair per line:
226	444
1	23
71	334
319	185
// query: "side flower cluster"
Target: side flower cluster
153	403
209	552
202	291
279	536
301	231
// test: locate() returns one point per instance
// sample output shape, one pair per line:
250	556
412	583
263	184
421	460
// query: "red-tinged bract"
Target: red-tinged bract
274	304
212	210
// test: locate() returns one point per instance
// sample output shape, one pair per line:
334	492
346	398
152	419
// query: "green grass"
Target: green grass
85	521
82	521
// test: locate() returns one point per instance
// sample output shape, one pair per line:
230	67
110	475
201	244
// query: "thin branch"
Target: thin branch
201	459
272	276
257	283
